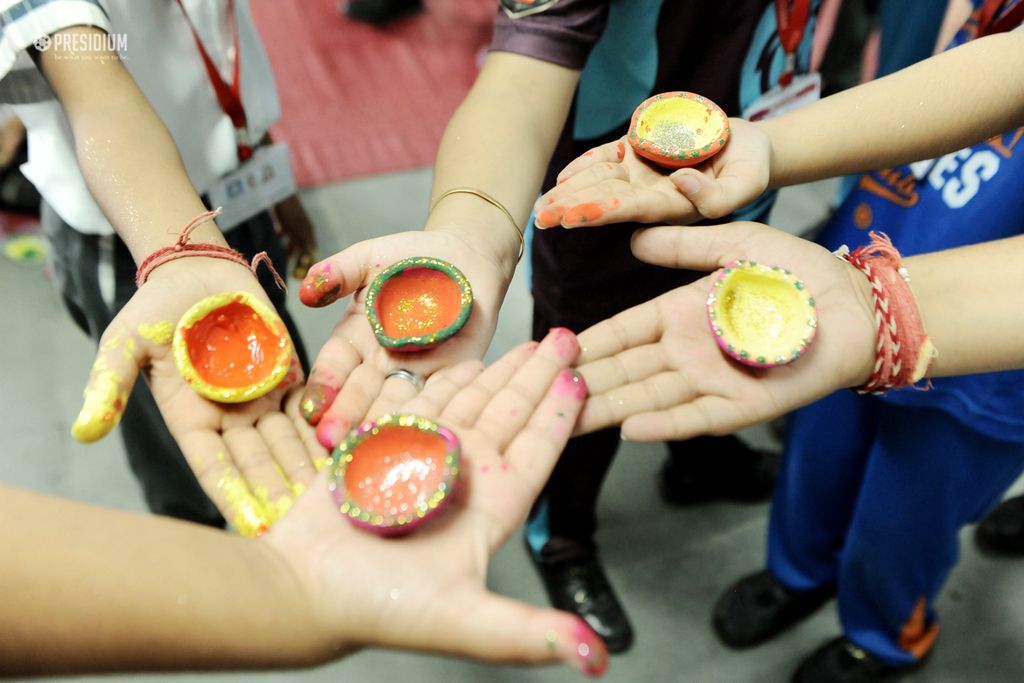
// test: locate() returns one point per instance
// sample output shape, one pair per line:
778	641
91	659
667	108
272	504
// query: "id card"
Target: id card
803	89
261	181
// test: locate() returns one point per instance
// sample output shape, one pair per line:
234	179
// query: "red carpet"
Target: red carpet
358	101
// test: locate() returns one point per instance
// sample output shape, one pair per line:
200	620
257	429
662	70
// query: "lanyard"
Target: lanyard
228	95
987	25
791	17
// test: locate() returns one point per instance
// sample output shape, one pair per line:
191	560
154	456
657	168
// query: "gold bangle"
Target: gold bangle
493	202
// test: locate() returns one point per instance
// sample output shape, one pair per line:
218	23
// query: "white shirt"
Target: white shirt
161	55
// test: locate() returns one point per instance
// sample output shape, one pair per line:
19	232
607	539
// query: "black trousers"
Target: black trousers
95	277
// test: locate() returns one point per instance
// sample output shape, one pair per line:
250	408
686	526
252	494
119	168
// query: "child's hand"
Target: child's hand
427	591
611	184
252	458
657	370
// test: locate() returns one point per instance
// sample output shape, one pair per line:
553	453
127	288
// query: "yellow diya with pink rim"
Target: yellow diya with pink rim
418	303
761	315
232	347
678	129
394	473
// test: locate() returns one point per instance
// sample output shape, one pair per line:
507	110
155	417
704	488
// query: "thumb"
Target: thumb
336	276
501	629
113	374
717	197
703	248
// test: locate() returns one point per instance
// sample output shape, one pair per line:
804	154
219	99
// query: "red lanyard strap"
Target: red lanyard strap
987	24
791	17
228	95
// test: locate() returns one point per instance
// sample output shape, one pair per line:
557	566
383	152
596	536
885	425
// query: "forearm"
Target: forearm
92	589
971	307
127	156
940	105
500	140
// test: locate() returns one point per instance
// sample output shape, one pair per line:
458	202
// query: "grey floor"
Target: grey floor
667	564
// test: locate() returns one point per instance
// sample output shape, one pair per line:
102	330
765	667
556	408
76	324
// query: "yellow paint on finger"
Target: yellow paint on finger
248	516
320	463
104	403
158	333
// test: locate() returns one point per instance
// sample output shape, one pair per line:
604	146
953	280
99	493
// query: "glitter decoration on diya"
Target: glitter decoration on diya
394	473
417	303
232	347
761	315
678	129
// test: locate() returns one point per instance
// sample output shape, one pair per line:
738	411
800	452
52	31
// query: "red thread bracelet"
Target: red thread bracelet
903	351
182	248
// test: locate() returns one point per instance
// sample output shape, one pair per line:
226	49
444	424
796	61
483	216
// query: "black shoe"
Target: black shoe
382	12
581	587
717	468
840	661
1002	531
758	608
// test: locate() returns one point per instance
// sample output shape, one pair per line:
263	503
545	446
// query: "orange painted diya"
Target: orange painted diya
394	473
761	315
232	347
417	303
678	129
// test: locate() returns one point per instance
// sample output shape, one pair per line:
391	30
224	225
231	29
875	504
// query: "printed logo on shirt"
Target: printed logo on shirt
524	8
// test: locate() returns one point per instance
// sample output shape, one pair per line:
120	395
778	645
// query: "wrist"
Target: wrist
862	360
484	226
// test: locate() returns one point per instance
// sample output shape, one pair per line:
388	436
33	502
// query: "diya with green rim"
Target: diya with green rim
394	473
761	315
418	303
232	347
678	129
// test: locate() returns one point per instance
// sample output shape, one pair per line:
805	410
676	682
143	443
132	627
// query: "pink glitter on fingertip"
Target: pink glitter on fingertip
571	383
565	342
590	651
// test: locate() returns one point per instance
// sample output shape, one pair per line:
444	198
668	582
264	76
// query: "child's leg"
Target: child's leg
928	475
822	467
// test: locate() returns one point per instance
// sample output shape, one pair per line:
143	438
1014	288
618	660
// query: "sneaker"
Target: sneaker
840	661
718	468
758	608
1002	531
581	587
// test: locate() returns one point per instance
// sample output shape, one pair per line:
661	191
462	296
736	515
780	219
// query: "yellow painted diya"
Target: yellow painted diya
232	347
761	315
394	473
678	129
418	303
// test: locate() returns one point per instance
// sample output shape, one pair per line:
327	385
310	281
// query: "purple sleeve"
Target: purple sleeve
563	33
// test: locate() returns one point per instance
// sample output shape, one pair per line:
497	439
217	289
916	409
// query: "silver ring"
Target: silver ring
408	375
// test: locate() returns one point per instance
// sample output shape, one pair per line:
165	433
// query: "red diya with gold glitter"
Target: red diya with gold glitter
678	129
232	347
417	303
394	473
761	315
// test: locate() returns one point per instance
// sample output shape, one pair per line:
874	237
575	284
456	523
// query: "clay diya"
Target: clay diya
678	129
232	347
761	315
394	473
417	303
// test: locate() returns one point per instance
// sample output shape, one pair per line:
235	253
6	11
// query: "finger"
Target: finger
209	458
704	415
512	407
111	379
740	183
266	479
336	276
336	360
350	406
288	450
441	388
703	248
498	629
394	393
614	202
609	152
467	404
316	454
595	173
629	329
625	367
659	392
601	182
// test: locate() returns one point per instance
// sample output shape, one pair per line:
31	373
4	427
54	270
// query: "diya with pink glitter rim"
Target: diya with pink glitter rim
678	129
232	347
761	315
418	303
394	473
